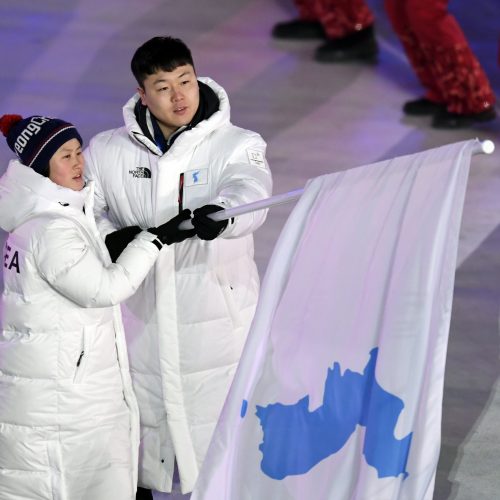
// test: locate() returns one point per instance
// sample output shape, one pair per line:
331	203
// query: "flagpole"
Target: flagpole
481	147
486	147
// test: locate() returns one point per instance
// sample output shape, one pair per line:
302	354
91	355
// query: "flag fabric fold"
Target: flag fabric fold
338	394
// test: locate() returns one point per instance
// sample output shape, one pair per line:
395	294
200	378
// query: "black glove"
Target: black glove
206	228
169	232
117	241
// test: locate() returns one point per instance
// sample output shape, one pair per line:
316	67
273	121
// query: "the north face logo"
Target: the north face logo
140	173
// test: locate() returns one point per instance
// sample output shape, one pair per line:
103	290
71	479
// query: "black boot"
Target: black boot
143	494
359	46
298	29
447	120
422	107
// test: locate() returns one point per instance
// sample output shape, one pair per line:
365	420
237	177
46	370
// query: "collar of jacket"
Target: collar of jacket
25	194
212	112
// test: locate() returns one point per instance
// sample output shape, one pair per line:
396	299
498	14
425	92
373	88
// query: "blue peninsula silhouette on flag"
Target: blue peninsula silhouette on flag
295	439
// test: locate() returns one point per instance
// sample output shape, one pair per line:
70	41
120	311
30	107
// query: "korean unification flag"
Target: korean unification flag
338	394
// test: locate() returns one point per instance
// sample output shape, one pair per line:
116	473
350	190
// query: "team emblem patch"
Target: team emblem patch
256	157
196	177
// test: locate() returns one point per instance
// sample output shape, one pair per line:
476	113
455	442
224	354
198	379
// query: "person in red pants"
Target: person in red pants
457	91
347	26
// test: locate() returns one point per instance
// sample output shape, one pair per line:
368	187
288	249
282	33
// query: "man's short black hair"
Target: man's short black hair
161	53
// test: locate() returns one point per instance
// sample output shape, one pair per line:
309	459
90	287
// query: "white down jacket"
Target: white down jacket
187	324
69	422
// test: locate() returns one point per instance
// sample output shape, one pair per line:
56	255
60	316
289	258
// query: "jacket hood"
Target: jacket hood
25	194
189	137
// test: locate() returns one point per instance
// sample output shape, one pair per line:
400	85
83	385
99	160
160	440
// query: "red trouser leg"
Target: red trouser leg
440	55
397	13
338	17
308	9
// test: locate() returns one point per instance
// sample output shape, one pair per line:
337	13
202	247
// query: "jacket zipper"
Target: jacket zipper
181	191
80	358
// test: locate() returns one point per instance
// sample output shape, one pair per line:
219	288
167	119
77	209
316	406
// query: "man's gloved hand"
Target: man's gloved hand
169	232
118	240
206	228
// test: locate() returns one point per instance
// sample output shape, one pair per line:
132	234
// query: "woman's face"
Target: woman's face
66	166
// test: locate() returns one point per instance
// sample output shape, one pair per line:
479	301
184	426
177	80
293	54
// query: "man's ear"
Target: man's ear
142	95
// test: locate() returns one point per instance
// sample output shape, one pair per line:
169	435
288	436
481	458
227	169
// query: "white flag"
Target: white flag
339	391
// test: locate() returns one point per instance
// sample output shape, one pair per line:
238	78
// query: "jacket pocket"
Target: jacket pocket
228	293
83	356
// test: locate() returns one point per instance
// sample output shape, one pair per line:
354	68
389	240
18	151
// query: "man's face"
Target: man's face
172	97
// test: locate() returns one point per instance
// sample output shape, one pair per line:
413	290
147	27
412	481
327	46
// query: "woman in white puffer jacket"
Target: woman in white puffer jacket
69	426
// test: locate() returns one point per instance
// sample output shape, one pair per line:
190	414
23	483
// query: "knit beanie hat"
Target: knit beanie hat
37	138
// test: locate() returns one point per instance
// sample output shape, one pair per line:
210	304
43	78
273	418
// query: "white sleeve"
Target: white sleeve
70	265
245	179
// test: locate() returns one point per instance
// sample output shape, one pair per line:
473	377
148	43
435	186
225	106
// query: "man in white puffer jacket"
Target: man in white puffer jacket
187	324
69	422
